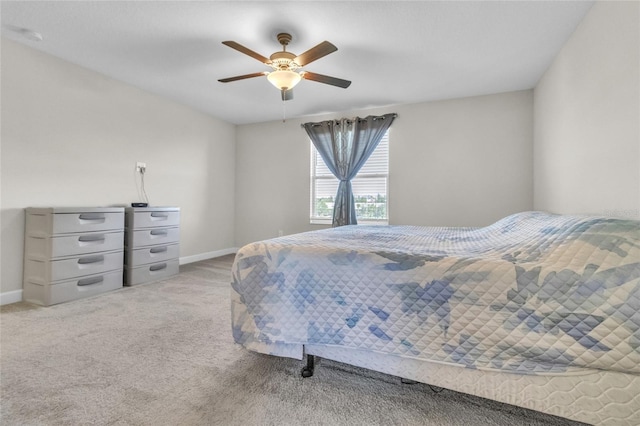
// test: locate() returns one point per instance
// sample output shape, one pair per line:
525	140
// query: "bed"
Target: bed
536	310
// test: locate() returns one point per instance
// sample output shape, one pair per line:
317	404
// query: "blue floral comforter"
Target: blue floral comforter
534	293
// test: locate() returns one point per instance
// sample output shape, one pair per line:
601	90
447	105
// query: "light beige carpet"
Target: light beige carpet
162	354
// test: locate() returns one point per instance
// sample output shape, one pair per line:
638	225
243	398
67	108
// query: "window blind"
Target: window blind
370	186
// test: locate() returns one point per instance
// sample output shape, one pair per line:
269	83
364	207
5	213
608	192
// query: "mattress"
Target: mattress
534	294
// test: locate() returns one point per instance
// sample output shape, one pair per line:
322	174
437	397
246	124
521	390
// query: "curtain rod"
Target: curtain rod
349	121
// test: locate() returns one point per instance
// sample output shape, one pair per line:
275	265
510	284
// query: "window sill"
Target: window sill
313	221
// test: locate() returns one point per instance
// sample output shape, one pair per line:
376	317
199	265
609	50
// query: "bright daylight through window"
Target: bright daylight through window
370	187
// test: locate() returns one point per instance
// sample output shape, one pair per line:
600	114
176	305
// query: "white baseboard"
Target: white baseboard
16	295
10	297
209	255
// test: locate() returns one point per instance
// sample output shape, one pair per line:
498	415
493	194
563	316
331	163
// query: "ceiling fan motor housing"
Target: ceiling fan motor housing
283	61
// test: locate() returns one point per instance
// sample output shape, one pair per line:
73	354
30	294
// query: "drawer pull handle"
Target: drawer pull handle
90	259
159	232
159	215
91	216
158	267
158	249
91	238
90	281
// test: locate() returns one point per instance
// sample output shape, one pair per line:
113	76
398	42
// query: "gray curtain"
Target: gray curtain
345	145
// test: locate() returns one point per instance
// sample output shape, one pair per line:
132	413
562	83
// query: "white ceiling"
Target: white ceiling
394	52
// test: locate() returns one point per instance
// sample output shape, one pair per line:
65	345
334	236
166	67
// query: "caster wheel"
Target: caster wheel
306	372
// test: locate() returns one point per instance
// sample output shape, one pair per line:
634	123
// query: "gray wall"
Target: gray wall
463	162
71	137
587	118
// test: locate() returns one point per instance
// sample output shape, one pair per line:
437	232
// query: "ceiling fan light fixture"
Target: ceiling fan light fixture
283	79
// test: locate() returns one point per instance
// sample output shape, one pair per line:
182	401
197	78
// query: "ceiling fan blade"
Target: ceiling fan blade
287	95
325	79
317	52
242	77
247	51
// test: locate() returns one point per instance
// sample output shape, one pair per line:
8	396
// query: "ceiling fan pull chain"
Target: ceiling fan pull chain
284	110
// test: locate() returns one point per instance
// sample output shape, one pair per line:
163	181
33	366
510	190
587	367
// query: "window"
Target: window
370	187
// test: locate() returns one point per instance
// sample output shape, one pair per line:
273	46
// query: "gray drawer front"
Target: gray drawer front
73	289
148	237
152	219
41	272
151	272
159	253
68	223
73	245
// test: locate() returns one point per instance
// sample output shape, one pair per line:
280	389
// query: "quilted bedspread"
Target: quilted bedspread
533	293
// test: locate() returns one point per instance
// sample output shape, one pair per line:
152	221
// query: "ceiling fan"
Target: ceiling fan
284	75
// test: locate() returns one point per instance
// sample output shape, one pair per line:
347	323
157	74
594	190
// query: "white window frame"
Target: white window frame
328	221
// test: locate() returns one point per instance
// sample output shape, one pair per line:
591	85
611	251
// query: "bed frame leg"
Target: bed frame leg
307	370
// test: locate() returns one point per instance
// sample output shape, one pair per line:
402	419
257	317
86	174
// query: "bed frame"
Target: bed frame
592	396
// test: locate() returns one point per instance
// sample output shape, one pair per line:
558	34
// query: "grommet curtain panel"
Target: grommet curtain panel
345	145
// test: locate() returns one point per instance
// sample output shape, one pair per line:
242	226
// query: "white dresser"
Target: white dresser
70	253
152	244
